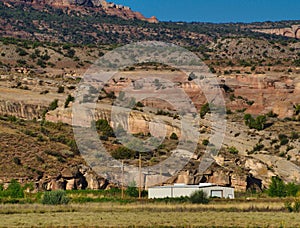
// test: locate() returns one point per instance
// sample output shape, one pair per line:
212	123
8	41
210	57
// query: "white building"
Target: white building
178	190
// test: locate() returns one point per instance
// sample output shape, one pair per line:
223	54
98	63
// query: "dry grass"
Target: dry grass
233	214
231	206
129	218
145	218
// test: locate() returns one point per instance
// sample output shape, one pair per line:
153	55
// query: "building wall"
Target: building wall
178	192
226	192
174	191
159	193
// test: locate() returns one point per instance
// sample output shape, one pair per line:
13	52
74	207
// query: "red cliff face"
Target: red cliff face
108	7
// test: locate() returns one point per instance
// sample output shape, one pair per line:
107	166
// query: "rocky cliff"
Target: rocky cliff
107	7
236	170
274	92
293	31
243	170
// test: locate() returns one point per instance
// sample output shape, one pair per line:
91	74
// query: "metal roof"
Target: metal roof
189	186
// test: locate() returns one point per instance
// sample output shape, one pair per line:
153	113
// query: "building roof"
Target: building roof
201	185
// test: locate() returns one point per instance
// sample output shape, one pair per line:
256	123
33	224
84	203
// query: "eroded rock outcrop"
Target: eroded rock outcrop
21	109
107	7
135	122
293	31
268	93
72	178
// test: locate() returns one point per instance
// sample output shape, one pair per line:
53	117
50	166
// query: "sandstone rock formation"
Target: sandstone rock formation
21	109
265	91
24	103
81	177
108	7
293	32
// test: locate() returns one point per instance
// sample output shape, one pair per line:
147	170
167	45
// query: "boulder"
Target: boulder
185	178
71	184
94	182
56	185
69	172
220	178
239	182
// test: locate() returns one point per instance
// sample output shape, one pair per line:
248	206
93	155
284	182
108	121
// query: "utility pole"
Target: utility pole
160	174
140	176
122	179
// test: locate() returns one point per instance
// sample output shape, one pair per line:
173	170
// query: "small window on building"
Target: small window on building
216	193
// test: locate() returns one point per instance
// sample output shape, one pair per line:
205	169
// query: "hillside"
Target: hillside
47	46
107	8
97	25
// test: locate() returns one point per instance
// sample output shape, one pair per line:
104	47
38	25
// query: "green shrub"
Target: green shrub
283	139
258	123
250	102
297	109
61	89
21	52
192	76
73	146
103	126
258	147
14	190
295	135
45	57
17	161
70	53
123	153
139	104
69	99
132	190
272	114
29	186
228	112
12	118
174	136
55	198
291	189
288	206
199	197
297	206
182	199
53	105
204	110
21	62
41	63
278	188
292	206
205	142
233	150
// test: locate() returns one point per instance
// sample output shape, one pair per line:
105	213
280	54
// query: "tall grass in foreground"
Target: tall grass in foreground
115	215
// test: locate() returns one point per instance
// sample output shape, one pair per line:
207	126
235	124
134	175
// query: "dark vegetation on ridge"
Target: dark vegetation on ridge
93	27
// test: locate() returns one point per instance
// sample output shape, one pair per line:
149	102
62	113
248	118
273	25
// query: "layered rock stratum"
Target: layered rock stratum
108	7
292	32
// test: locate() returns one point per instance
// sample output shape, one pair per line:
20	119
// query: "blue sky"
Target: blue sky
217	10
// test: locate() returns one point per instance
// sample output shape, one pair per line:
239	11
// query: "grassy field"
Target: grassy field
215	214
